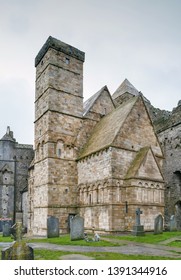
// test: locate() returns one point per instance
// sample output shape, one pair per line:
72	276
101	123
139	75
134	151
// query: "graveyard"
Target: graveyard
82	244
165	246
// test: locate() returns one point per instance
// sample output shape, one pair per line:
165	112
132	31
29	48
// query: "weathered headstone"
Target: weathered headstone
138	229
52	227
18	250
77	228
4	221
172	224
158	224
6	229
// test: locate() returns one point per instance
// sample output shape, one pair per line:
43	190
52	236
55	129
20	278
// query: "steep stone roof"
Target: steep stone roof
125	87
59	46
142	159
90	102
107	129
136	163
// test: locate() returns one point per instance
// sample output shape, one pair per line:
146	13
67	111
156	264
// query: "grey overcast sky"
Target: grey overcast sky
135	39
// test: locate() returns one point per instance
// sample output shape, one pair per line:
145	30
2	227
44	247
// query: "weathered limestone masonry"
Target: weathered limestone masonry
169	133
121	173
101	159
14	162
58	120
167	126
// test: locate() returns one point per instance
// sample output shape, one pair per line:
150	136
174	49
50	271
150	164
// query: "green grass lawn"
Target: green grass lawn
65	240
41	254
176	243
56	255
148	238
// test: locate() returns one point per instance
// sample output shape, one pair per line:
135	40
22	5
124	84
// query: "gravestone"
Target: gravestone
77	228
4	221
52	227
138	229
158	224
18	250
172	224
6	229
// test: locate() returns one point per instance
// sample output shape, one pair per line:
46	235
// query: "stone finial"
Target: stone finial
8	130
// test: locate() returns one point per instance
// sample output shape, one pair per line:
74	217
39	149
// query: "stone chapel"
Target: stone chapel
100	159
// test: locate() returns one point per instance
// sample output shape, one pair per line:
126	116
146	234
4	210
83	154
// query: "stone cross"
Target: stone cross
138	213
18	250
17	231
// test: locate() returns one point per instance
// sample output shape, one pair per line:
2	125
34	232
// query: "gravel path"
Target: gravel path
126	247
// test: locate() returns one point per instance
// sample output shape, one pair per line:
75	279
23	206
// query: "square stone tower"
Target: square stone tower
58	119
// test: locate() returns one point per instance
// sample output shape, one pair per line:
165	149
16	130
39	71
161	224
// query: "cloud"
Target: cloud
138	40
17	110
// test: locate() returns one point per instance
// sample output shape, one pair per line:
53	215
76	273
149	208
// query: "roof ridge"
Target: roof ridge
125	86
91	100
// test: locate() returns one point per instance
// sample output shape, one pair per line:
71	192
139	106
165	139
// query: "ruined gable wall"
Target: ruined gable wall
169	132
171	142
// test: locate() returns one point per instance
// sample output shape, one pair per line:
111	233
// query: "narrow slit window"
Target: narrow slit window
67	60
59	152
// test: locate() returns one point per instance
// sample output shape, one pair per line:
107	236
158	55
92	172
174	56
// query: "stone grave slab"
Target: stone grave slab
19	250
158	224
77	228
6	229
52	227
172	224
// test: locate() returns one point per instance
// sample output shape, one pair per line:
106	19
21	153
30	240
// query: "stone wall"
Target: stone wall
14	163
107	201
107	183
170	139
58	113
97	166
